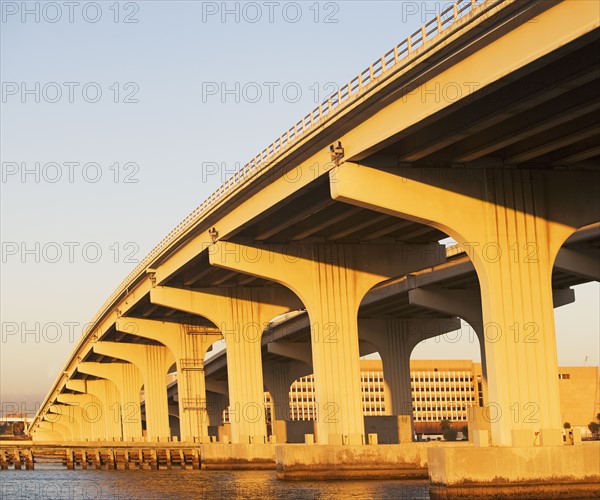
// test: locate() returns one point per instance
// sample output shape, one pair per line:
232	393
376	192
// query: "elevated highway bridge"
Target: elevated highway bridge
483	127
424	305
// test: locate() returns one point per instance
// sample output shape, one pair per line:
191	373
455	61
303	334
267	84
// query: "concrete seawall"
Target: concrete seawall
390	461
455	470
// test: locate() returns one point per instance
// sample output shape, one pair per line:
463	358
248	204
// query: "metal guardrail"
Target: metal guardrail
358	86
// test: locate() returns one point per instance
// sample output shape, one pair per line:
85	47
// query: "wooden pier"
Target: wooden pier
101	455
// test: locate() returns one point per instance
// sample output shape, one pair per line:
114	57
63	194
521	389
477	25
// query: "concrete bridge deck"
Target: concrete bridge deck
482	126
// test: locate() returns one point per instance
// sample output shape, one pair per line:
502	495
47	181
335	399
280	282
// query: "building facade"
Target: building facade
440	390
579	395
445	389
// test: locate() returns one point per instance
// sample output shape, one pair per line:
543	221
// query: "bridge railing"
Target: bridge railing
383	66
334	103
358	86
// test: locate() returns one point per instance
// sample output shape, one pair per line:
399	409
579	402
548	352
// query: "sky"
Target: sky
119	118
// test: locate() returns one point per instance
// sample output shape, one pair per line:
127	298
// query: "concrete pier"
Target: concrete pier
291	461
326	462
542	472
455	470
217	456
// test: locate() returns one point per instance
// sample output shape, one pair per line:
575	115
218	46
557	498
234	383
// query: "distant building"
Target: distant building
444	389
14	425
579	395
440	390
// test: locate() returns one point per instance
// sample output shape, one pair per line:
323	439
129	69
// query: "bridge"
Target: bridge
424	305
482	126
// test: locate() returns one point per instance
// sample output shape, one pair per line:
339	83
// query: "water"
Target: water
48	483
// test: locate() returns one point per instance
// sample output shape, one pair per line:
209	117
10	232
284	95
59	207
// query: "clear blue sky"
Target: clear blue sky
202	87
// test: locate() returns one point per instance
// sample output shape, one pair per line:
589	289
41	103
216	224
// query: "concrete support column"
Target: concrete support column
79	415
188	345
108	398
279	376
66	429
512	224
87	410
278	382
241	314
395	340
466	304
51	431
128	381
278	379
216	404
62	426
63	414
45	433
331	281
153	363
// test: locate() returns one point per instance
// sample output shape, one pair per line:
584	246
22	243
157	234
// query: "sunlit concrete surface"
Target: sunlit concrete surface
509	170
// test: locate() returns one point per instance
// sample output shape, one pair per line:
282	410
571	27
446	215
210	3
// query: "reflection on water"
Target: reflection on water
179	484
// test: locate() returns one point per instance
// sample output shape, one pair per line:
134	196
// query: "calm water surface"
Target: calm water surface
179	484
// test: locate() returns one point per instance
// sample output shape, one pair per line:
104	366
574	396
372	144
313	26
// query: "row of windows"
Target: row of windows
435	396
417	385
310	390
427	408
420	414
379	396
442	389
437	418
378	377
449	399
441	379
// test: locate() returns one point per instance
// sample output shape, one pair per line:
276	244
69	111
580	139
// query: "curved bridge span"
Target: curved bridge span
483	127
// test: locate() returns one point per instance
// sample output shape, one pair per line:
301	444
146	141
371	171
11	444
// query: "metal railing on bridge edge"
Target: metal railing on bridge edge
384	66
334	103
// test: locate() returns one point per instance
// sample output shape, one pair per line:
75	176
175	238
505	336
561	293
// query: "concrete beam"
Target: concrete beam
292	350
218	386
579	262
465	304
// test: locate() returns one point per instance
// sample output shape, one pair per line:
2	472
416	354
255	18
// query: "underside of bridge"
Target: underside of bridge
489	136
